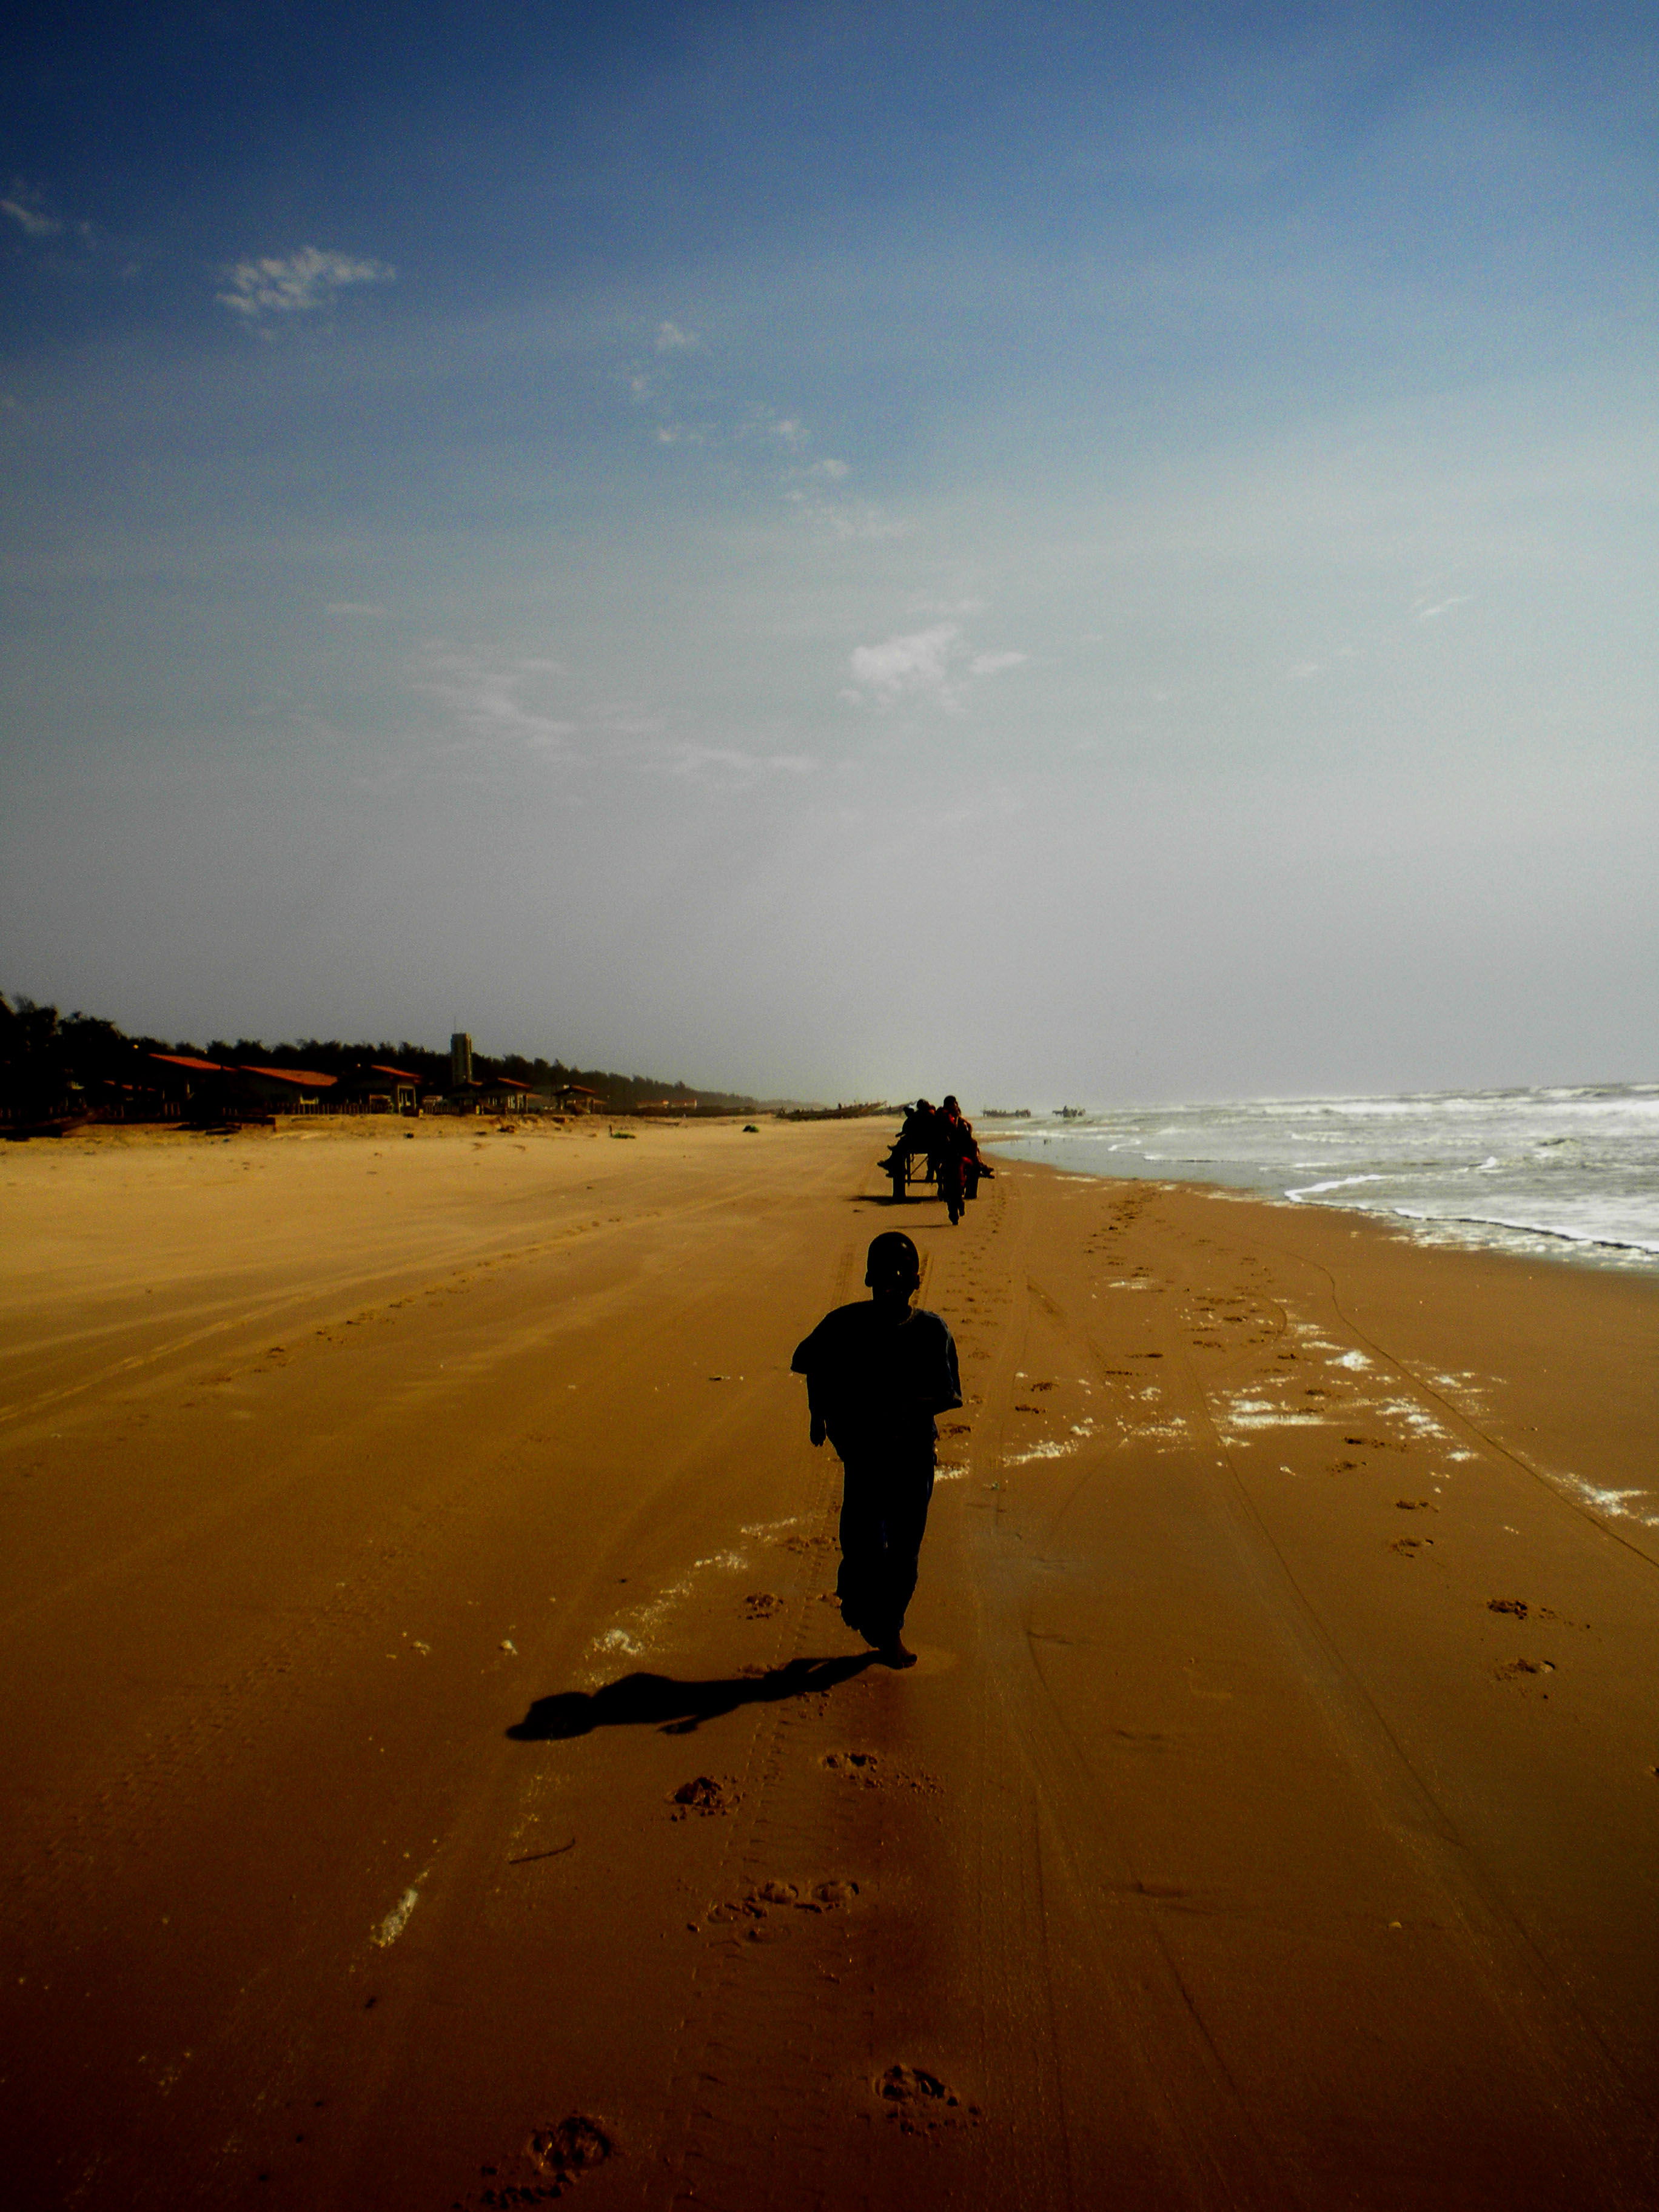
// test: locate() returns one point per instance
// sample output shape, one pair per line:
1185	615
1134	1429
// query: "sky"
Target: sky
1086	553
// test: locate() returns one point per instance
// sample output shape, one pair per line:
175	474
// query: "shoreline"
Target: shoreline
398	1529
1430	1231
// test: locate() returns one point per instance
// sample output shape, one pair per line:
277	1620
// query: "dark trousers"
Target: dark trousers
951	1182
884	1515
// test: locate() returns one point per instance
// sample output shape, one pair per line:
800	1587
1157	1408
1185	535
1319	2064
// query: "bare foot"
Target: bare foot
895	1653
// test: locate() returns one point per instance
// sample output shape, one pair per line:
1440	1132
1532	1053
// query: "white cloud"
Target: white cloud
837	471
785	430
1444	606
296	283
488	704
671	338
687	759
30	220
917	664
847	518
353	607
935	663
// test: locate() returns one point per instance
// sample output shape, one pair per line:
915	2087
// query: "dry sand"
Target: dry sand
393	1528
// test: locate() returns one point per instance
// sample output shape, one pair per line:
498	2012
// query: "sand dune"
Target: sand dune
437	1776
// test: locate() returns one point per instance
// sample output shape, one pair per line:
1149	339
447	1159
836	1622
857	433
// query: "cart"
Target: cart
919	1167
908	1167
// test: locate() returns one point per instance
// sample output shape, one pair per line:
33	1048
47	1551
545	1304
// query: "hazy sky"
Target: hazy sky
1079	551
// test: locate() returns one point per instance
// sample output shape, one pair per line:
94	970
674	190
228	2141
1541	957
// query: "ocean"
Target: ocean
1570	1173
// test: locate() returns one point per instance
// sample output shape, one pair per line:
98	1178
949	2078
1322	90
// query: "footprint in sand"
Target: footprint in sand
871	1771
575	2146
553	2159
855	1766
706	1794
762	1604
782	1897
1521	1610
919	2103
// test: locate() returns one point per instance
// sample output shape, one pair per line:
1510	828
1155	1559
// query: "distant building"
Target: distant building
460	1061
505	1094
287	1090
380	1089
208	1088
189	1086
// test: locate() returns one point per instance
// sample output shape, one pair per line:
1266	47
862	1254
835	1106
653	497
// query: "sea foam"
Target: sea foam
1563	1171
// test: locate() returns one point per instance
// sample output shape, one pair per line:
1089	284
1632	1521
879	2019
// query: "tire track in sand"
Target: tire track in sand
1269	1676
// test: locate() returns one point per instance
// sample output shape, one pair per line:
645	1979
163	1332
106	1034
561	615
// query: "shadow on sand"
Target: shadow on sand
677	1708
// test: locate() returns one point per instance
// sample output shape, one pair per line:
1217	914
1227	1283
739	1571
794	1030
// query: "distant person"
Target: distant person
958	1165
915	1136
975	1168
877	1373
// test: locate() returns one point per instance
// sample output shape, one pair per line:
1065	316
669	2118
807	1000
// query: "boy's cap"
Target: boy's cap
891	1254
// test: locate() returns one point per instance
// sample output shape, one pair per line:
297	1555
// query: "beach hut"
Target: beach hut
197	1089
506	1094
576	1098
380	1089
287	1090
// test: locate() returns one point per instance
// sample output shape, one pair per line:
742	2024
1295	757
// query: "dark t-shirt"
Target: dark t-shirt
876	1382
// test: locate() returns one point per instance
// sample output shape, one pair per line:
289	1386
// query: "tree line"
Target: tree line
49	1061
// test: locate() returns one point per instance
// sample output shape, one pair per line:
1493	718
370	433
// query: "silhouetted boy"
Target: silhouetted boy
877	1373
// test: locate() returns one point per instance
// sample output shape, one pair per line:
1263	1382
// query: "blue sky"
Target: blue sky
1064	551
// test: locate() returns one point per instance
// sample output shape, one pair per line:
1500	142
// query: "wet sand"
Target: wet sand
436	1776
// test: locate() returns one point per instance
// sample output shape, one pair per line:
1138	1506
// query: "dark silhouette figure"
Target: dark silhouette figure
675	1708
946	1138
958	1166
877	1373
918	1134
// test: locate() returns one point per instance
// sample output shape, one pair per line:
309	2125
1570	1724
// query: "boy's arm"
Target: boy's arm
805	1363
944	1383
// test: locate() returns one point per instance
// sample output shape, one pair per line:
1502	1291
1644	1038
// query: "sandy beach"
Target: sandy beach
436	1776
